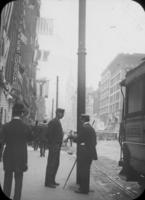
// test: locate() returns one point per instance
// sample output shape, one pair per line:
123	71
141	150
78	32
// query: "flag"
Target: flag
44	26
43	55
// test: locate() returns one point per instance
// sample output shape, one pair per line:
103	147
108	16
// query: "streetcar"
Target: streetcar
132	126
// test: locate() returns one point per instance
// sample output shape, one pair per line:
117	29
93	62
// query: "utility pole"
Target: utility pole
81	90
52	108
57	89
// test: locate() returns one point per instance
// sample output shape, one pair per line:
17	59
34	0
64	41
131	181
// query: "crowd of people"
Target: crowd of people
15	135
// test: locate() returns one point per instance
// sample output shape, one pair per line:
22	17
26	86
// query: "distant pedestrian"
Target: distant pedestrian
86	140
15	135
42	138
36	131
55	138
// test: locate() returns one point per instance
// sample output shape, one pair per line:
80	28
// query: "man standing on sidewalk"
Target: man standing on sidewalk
87	152
55	138
15	135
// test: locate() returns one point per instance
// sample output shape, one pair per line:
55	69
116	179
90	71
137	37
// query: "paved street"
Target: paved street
104	177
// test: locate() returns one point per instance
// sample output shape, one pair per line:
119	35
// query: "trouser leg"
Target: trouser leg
40	151
1	152
8	177
18	185
85	176
56	162
43	152
40	146
84	180
48	176
52	165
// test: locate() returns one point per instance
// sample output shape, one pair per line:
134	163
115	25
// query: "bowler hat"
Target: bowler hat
18	107
60	110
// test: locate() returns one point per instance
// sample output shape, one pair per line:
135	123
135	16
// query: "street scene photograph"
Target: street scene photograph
72	99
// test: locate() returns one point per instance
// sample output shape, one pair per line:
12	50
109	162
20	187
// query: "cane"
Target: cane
69	174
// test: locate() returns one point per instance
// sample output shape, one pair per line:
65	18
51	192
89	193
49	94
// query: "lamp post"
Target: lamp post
81	90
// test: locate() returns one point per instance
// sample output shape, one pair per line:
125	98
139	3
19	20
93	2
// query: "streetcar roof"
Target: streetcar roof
134	74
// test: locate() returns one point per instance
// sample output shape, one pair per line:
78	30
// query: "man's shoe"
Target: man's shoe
55	183
91	190
50	185
81	192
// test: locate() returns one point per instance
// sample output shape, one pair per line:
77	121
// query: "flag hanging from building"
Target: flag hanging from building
43	55
44	26
42	88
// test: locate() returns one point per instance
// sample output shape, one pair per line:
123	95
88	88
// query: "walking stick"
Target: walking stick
69	173
73	166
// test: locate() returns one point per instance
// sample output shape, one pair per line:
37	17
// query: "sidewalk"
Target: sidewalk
33	183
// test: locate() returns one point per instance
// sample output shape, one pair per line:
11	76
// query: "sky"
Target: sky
112	27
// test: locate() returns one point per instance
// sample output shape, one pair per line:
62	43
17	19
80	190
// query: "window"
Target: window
117	95
116	106
135	96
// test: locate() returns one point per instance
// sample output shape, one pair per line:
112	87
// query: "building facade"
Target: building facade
5	97
18	63
111	100
104	96
42	89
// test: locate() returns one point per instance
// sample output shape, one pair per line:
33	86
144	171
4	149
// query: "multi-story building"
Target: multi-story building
42	87
70	119
104	96
110	93
5	97
89	101
96	105
19	66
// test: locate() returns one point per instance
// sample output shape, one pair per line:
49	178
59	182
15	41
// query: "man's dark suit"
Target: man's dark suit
87	152
55	137
14	135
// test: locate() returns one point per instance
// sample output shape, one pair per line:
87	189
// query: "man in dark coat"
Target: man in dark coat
15	135
55	138
86	140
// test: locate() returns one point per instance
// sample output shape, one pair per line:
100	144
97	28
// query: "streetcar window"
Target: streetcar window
135	97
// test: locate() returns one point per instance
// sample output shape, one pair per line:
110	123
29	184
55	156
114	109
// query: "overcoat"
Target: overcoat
15	135
54	132
87	137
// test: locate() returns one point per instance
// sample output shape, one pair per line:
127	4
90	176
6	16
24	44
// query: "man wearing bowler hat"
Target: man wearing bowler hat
15	135
54	137
86	140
